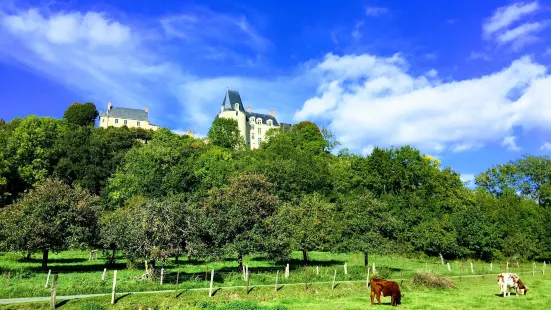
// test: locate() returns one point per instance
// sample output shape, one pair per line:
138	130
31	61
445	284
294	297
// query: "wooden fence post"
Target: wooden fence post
248	278
374	268
317	271
449	268
114	287
334	277
244	273
442	258
103	275
9	277
534	268
306	279
162	275
507	270
543	269
460	271
482	271
211	281
206	272
491	267
177	279
345	271
472	268
54	288
287	271
367	280
48	278
277	278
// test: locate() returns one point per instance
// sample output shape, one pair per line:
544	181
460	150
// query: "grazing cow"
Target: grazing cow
510	280
388	288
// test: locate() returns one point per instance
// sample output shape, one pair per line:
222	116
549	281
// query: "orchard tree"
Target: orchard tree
366	226
148	229
81	114
224	132
236	219
312	224
51	217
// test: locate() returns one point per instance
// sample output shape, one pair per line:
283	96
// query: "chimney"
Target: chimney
272	112
145	109
109	106
249	109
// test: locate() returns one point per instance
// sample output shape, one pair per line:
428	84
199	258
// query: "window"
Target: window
259	131
237	106
138	123
259	139
125	122
103	120
251	120
269	122
252	136
259	121
116	121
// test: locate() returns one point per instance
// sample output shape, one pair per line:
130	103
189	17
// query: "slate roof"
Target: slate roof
264	117
126	113
232	97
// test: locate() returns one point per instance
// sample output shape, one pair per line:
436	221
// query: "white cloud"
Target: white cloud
356	34
367	150
467	177
375	11
103	59
546	146
431	73
510	143
479	55
374	100
522	31
501	27
507	15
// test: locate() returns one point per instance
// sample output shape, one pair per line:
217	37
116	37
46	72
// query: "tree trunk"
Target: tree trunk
366	259
45	259
152	268
28	257
176	258
239	262
305	257
113	255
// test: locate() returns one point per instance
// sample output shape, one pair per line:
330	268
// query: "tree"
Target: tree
236	219
51	217
32	148
162	167
367	226
81	114
150	229
312	223
224	132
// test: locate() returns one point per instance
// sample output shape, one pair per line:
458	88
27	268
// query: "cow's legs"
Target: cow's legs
372	297
379	298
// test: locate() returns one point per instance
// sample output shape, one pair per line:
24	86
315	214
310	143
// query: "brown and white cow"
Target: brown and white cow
510	280
387	288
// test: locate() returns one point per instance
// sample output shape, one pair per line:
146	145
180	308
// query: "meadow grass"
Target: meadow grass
78	275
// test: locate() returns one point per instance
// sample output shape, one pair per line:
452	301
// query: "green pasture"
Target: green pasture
77	275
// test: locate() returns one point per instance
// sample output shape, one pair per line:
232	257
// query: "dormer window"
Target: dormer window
269	122
259	121
237	106
251	120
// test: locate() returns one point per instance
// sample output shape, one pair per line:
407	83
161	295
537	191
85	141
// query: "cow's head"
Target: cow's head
398	299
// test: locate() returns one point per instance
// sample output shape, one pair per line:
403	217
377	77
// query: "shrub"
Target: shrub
432	280
92	306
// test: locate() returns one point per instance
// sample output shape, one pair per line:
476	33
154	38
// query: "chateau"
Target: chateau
252	126
131	118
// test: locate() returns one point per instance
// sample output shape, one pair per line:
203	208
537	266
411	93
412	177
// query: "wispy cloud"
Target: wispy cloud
356	34
510	143
467	178
506	15
546	146
500	26
375	11
479	55
547	52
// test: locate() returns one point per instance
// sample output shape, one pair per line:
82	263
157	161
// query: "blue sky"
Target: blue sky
465	81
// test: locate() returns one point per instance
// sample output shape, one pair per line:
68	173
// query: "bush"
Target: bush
432	280
92	306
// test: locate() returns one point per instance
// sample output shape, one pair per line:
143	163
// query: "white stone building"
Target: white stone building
252	126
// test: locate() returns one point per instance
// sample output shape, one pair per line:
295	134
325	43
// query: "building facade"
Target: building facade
131	118
252	126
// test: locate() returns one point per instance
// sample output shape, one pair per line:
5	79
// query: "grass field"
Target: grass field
77	275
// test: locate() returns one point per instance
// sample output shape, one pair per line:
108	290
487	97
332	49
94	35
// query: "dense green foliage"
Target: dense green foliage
163	194
81	114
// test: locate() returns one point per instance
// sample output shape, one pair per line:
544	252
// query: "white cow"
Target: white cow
507	281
